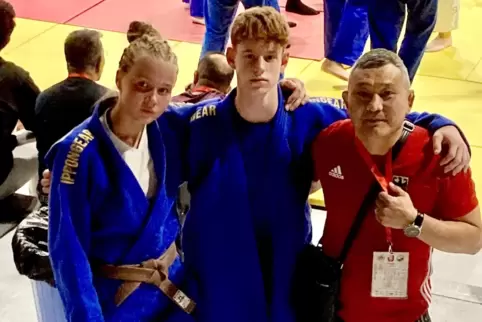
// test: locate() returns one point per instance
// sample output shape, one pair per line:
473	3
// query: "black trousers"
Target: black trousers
424	318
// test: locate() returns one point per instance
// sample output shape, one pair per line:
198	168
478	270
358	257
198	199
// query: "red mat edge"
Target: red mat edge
84	11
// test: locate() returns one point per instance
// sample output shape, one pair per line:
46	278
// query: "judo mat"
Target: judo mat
60	11
170	17
448	82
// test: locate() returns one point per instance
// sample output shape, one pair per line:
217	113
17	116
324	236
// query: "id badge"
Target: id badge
390	275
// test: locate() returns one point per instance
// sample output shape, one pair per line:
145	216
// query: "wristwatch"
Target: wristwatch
415	229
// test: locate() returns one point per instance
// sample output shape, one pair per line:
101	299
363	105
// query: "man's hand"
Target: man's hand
298	96
448	141
394	209
45	182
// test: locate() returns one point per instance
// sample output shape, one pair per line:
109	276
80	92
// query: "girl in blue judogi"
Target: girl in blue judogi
113	223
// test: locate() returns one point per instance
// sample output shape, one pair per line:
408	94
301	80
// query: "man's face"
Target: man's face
258	64
378	100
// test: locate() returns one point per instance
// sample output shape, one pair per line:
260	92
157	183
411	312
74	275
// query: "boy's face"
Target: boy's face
258	64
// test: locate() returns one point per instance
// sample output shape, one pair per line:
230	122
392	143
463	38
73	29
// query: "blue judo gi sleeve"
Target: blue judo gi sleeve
386	20
345	30
429	121
219	15
69	240
433	122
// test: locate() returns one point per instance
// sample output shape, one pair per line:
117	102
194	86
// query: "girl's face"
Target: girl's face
145	90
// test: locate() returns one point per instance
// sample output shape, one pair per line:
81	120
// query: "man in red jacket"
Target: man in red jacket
386	275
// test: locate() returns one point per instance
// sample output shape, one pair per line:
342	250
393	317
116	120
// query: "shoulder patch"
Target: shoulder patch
71	163
207	110
336	102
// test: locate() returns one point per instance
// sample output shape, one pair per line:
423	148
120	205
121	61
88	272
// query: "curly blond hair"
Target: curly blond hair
260	23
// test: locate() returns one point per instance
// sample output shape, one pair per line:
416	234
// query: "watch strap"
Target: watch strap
419	219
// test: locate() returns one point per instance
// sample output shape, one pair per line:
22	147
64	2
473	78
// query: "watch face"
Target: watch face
412	231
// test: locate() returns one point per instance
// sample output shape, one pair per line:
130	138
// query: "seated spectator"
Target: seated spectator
65	105
212	79
17	102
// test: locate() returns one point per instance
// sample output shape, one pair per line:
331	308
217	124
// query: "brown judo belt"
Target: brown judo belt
152	271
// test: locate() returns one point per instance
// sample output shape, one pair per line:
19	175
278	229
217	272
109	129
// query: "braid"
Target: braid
139	28
144	39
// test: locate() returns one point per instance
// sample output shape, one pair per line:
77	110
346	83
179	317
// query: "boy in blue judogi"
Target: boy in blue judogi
250	175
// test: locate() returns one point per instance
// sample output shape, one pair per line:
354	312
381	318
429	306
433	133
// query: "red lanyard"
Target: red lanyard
80	75
383	180
202	89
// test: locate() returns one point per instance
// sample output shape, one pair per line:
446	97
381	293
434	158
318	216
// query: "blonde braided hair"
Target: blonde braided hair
145	39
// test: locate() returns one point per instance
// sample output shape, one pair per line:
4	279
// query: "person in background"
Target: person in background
298	7
386	19
18	93
447	21
212	79
345	35
219	15
196	9
68	103
419	207
58	110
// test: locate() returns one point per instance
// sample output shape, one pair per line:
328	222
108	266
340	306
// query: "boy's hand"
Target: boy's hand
448	141
298	95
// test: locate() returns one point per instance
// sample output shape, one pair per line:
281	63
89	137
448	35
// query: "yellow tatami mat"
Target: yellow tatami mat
476	75
459	61
25	31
